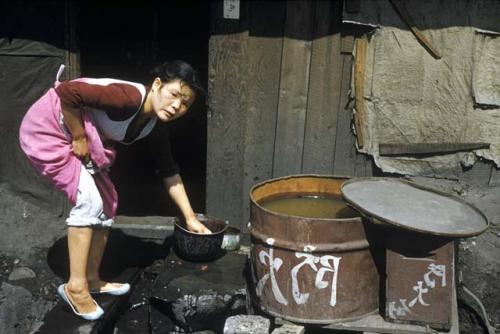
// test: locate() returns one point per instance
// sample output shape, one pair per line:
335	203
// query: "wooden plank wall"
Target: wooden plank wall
278	100
227	104
324	92
265	49
293	88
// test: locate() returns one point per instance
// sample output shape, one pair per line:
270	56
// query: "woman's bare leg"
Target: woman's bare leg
99	241
79	241
98	245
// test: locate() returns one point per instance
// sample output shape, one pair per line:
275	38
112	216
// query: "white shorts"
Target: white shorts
88	210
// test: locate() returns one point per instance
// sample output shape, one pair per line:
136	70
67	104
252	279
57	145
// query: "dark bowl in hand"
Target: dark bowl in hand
197	247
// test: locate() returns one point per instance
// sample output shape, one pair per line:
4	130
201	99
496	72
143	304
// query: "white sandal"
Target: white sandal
123	289
87	316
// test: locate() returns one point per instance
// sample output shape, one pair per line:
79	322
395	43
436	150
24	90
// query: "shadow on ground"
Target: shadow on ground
122	252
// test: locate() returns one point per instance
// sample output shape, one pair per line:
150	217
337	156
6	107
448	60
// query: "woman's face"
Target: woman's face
171	100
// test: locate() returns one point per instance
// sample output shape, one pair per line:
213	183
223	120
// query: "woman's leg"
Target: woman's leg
82	217
77	290
89	211
98	245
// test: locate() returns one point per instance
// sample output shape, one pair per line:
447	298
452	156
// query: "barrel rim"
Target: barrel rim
296	176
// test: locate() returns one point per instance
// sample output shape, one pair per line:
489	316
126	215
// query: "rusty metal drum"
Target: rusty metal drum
309	269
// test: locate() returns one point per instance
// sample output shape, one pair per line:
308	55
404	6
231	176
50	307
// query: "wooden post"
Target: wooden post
359	83
72	42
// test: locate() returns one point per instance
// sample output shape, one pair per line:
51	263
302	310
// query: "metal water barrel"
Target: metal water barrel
310	270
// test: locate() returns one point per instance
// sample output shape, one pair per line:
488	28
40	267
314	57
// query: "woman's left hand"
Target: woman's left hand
194	225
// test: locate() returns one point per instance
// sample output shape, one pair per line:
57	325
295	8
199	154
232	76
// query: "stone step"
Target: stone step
289	329
198	296
247	324
135	320
149	227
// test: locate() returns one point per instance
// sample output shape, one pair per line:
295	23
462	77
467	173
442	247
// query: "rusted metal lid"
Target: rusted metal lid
414	207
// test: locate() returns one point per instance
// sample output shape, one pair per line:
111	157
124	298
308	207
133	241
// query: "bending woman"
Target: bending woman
67	136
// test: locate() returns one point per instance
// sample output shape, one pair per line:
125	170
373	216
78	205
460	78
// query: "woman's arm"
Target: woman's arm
118	99
177	192
73	120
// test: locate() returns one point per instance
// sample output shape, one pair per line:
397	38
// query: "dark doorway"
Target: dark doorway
125	40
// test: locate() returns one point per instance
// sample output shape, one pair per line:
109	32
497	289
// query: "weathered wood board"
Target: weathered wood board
265	47
324	91
294	84
227	108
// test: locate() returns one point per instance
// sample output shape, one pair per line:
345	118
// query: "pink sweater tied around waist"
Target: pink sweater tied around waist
50	151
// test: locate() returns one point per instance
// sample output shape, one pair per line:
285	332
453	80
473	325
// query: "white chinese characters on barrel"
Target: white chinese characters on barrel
312	261
404	307
320	264
274	264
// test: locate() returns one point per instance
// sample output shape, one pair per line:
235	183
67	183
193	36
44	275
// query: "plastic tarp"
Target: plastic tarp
27	70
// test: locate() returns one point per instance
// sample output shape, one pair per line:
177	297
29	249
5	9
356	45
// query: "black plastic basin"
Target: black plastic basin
198	247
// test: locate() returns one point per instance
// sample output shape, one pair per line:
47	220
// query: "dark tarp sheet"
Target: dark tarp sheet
27	70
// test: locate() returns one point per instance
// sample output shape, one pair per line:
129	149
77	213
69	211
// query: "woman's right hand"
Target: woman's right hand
81	148
194	225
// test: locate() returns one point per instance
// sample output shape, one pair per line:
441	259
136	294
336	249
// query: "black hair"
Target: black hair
179	70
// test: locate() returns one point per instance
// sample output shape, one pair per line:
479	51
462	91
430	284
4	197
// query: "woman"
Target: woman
66	136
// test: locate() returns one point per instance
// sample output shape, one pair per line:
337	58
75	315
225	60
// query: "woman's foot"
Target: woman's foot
116	289
80	298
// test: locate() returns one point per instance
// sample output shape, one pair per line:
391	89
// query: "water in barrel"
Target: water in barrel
309	206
